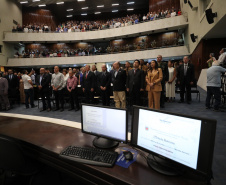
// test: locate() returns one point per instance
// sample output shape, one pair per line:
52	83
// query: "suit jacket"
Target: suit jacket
97	80
155	77
135	81
46	81
3	86
89	81
165	71
190	75
105	80
119	82
12	83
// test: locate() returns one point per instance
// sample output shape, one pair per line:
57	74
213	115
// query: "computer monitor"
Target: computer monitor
175	142
109	124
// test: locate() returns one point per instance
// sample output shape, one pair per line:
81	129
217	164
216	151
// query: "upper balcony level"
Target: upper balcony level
173	23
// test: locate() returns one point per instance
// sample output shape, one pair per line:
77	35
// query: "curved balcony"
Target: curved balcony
146	54
173	23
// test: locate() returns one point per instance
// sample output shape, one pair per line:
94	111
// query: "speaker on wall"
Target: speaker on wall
185	1
210	16
193	37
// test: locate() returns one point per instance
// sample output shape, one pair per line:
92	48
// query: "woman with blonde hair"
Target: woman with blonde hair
154	87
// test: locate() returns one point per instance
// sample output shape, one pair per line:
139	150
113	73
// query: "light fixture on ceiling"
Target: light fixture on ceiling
97	12
35	1
85	8
100	6
60	3
41	5
69	10
69	15
80	0
114	10
116	4
130	9
132	2
84	14
23	2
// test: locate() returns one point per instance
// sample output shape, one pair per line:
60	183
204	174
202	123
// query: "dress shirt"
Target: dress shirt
72	82
25	79
57	80
185	69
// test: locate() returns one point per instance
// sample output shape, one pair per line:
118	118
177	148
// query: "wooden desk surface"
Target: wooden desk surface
44	141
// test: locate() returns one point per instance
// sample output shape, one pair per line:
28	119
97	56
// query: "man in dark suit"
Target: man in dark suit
13	85
88	84
43	81
96	81
186	78
165	79
135	83
119	85
104	85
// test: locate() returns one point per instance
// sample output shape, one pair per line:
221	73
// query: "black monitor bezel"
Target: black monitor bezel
208	171
103	136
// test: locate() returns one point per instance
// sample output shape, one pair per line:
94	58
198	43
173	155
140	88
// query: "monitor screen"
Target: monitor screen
106	122
186	140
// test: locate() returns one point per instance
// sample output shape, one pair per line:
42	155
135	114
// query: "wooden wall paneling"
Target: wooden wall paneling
155	5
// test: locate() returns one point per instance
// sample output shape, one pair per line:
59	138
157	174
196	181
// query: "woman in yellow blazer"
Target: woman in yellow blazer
154	87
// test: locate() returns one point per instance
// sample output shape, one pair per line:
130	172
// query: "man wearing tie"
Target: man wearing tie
13	85
104	85
135	83
88	84
43	80
186	78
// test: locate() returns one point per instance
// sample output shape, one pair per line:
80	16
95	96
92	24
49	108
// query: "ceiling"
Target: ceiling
61	9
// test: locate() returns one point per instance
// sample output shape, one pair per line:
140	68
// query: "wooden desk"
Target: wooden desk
44	141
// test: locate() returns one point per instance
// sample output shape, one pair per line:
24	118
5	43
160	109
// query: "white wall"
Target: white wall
9	11
100	59
197	20
158	25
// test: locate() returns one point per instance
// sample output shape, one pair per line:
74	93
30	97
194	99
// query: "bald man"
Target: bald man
43	80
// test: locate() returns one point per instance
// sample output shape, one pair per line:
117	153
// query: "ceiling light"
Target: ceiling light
23	2
35	0
130	9
114	10
100	6
115	4
80	0
85	8
84	14
130	2
60	3
69	10
97	12
41	5
69	15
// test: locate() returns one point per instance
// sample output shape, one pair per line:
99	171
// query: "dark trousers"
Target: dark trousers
134	97
4	101
59	98
29	93
217	96
73	97
162	97
89	96
185	85
45	95
105	96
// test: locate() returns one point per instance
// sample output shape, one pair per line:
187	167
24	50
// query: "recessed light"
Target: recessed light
80	0
69	15
60	3
69	10
116	4
23	2
35	0
85	8
131	2
114	10
97	12
100	6
84	14
130	9
41	5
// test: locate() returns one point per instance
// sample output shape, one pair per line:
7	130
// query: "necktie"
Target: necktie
185	69
134	71
86	75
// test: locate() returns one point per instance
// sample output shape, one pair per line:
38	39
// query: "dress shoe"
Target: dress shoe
56	109
70	109
27	107
48	110
76	109
61	110
33	106
42	110
162	106
188	102
181	101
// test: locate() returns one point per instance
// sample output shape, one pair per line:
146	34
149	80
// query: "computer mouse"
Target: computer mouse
128	155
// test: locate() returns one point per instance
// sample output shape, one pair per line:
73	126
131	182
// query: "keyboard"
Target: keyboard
88	155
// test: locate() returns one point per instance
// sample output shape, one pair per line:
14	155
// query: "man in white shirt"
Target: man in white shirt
28	89
222	57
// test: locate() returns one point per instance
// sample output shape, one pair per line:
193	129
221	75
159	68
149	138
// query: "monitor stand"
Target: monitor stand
163	166
100	142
